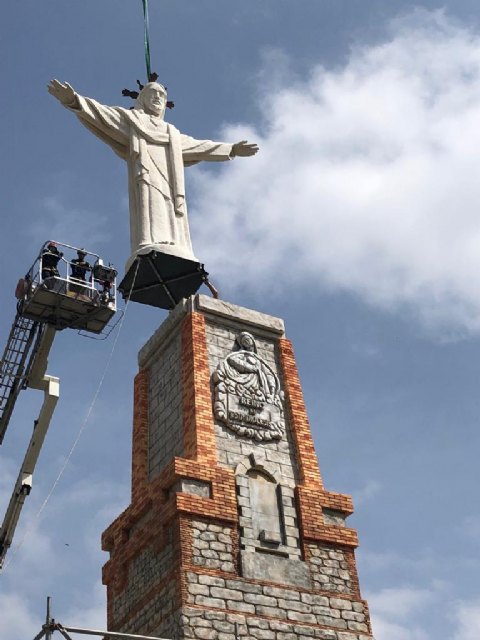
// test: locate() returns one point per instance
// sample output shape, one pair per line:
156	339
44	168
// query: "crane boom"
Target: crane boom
54	295
51	388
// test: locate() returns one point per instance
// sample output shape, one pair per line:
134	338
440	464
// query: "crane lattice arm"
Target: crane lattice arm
14	364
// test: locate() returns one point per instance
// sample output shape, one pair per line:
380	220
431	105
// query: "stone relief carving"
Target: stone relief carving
248	398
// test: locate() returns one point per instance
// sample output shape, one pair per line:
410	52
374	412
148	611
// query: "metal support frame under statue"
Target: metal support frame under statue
162	280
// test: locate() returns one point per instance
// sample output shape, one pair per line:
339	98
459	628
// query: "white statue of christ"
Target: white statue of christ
156	153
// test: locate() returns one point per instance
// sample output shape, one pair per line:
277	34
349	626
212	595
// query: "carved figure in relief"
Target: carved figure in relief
156	153
249	372
248	397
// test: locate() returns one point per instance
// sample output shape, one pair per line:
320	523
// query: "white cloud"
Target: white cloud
61	222
467	618
92	616
16	620
370	489
401	602
366	181
366	350
393	612
385	630
56	552
423	562
470	527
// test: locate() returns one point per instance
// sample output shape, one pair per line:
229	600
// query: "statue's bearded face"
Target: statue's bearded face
154	99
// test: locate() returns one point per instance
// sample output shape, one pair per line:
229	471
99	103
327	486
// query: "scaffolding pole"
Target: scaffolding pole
51	626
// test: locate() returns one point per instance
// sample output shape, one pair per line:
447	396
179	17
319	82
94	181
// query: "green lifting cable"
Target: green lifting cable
146	38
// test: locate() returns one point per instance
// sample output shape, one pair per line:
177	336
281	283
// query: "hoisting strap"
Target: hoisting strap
146	37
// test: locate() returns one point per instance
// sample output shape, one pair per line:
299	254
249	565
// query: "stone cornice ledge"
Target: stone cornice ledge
214	307
210	307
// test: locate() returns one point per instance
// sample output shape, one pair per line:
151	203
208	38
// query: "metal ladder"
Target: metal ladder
12	366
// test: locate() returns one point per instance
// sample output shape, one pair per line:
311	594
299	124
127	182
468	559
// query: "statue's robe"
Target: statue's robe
156	154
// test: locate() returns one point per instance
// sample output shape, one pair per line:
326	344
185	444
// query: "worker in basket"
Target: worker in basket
79	268
50	258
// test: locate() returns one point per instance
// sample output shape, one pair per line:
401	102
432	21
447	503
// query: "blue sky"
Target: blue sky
357	223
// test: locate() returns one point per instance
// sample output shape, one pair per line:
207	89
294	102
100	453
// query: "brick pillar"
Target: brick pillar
230	530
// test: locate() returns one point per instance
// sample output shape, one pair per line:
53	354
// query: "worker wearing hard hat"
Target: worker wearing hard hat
79	266
50	258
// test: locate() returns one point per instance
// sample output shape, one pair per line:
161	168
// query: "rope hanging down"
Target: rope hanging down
146	37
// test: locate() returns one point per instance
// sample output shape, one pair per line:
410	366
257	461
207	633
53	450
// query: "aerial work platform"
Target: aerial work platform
68	295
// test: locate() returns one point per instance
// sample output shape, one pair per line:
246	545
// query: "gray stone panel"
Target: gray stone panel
258	609
329	569
244	620
158	616
165	406
194	487
274	568
145	571
149	352
271	511
336	518
212	547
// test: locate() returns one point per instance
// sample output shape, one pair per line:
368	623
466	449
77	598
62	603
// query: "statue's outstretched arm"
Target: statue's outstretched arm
107	123
243	149
197	150
64	93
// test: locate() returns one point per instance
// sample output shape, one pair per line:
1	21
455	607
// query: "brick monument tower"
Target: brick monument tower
230	532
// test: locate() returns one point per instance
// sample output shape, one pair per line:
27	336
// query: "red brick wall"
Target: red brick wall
140	435
199	434
311	495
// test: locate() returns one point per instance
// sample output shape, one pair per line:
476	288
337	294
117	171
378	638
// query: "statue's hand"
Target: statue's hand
64	93
243	149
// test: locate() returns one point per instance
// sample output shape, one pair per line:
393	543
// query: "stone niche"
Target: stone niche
269	535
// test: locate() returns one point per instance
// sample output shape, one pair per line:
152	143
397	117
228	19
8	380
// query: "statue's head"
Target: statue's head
246	342
152	99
